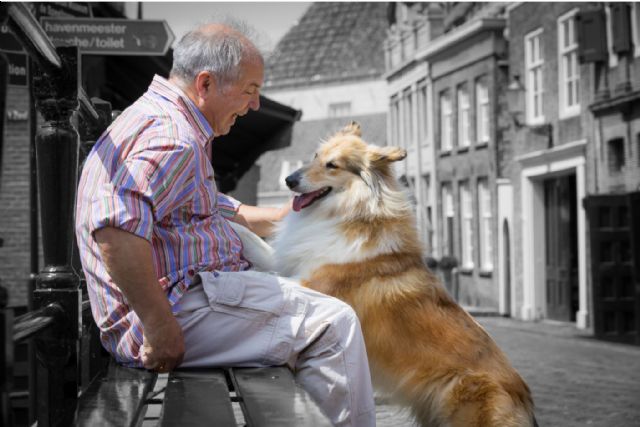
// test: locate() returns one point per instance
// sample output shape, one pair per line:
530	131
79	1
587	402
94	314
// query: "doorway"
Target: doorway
561	260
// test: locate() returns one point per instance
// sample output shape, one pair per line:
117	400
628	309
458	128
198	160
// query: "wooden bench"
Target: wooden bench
76	383
198	397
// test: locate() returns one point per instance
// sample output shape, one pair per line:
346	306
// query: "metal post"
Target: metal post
57	156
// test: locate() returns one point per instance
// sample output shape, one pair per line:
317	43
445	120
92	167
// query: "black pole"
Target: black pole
56	95
34	242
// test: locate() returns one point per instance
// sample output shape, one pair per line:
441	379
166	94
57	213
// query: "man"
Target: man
167	280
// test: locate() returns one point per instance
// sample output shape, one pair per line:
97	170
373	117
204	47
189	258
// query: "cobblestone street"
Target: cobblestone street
575	379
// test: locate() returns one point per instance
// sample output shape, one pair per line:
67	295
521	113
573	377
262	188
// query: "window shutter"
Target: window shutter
592	36
621	27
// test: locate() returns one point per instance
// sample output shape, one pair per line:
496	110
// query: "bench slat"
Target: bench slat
271	397
116	398
197	398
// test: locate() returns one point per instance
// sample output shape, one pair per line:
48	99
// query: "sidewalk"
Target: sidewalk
575	379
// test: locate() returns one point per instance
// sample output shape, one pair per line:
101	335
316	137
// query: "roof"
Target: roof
331	42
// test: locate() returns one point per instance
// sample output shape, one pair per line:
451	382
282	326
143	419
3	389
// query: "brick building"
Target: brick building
445	69
572	163
546	169
329	66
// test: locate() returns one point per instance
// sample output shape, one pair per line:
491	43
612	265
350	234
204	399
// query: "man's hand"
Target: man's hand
129	261
261	220
163	346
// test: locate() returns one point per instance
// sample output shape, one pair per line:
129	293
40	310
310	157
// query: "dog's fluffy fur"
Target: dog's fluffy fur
353	236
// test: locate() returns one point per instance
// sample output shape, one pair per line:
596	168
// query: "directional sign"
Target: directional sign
106	36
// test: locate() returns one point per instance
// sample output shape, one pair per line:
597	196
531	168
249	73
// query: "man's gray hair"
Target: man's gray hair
219	52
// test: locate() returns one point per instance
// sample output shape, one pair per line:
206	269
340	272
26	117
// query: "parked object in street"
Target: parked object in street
353	236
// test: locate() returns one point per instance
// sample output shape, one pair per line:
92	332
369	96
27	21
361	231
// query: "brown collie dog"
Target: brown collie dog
353	235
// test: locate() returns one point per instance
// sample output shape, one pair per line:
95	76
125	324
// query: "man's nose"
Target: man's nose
255	103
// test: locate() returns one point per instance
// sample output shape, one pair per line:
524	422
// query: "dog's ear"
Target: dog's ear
386	154
352	128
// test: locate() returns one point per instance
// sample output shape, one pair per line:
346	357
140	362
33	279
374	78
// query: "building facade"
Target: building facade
445	70
548	170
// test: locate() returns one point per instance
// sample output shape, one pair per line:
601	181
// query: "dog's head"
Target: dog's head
343	163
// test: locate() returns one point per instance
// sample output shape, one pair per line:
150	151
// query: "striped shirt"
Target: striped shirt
149	174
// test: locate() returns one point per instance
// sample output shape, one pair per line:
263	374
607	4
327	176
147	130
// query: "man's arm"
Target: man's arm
129	261
260	220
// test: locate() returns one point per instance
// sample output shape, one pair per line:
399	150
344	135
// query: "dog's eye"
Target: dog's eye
331	165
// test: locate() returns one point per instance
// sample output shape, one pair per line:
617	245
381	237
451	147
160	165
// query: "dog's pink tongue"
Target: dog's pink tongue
304	200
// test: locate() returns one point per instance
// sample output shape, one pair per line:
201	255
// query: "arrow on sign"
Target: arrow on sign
106	36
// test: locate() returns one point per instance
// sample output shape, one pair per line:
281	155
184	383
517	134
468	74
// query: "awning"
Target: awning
269	128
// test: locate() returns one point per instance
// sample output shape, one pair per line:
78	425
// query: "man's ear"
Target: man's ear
352	128
386	154
204	83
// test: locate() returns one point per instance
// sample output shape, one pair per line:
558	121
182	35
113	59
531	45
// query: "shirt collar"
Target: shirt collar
174	94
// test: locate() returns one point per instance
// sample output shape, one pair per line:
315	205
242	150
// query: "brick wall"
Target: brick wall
14	200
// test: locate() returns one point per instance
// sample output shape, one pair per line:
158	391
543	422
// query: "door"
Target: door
615	262
561	248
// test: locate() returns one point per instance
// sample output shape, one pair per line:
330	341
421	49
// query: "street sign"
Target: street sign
107	36
17	69
8	42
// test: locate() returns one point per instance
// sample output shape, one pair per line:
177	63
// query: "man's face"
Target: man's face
223	107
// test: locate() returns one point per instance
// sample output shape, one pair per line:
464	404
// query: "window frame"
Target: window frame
570	51
612	56
422	94
463	116
340	109
635	28
446	118
466	225
483	122
485	226
407	120
530	66
448	211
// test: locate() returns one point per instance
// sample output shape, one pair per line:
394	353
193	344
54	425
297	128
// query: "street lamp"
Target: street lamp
515	92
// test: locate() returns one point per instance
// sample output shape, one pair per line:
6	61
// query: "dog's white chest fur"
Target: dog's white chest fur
306	241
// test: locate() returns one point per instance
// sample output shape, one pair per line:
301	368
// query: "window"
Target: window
466	225
486	219
395	121
427	225
464	139
287	168
613	57
447	216
482	110
408	118
534	86
635	27
446	122
339	109
423	137
569	71
616	155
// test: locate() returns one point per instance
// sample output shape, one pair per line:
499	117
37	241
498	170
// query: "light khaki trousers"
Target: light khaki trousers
256	319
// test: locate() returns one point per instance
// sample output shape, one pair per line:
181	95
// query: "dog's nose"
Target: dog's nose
292	180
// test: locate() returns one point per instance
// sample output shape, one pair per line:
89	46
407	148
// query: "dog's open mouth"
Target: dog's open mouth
303	200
